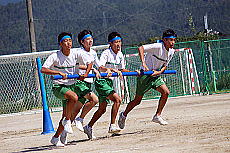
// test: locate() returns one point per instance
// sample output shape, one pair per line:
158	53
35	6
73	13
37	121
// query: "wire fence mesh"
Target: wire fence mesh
19	88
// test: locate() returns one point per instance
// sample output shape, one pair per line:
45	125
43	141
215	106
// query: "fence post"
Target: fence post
204	68
214	80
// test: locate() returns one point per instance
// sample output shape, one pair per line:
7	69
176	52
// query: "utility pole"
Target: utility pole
104	24
31	26
32	40
206	23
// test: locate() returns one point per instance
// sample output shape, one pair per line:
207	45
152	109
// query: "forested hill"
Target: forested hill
136	20
5	2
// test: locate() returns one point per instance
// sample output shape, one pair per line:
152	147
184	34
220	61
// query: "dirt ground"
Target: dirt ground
197	124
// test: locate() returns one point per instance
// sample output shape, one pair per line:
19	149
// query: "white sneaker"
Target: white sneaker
159	119
114	129
89	131
79	123
56	142
67	126
121	121
63	137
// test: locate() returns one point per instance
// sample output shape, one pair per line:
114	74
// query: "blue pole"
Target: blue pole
56	77
47	122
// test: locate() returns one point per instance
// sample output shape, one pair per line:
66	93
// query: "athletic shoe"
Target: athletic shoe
114	129
121	121
79	123
159	119
67	126
63	137
56	142
89	131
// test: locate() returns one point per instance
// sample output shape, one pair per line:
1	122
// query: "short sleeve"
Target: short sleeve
84	58
103	58
149	48
96	60
49	61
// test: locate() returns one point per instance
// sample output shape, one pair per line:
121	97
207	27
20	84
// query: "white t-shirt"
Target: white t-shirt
96	61
66	64
84	58
157	56
111	60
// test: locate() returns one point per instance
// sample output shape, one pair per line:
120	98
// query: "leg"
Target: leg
132	104
68	109
100	111
93	100
60	127
55	139
129	107
116	104
63	135
76	110
144	84
65	123
72	98
163	89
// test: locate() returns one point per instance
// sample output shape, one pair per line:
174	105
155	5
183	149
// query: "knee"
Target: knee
118	101
95	100
166	93
74	98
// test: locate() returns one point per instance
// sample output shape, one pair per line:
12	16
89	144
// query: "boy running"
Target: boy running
85	39
111	60
64	62
157	58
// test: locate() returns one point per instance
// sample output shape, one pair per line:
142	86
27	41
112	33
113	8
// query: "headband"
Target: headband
65	37
86	36
116	38
169	37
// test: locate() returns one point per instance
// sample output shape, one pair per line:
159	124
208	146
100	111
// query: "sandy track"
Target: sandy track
196	124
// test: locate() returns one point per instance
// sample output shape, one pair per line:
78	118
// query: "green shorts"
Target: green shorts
81	88
146	82
104	88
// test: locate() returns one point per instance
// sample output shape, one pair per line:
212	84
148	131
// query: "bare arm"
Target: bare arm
159	72
89	67
124	70
141	54
53	72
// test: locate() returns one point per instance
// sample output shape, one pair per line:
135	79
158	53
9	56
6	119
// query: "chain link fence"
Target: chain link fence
212	62
19	88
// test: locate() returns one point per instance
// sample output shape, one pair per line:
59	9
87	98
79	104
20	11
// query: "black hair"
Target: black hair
168	33
61	35
113	35
82	34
